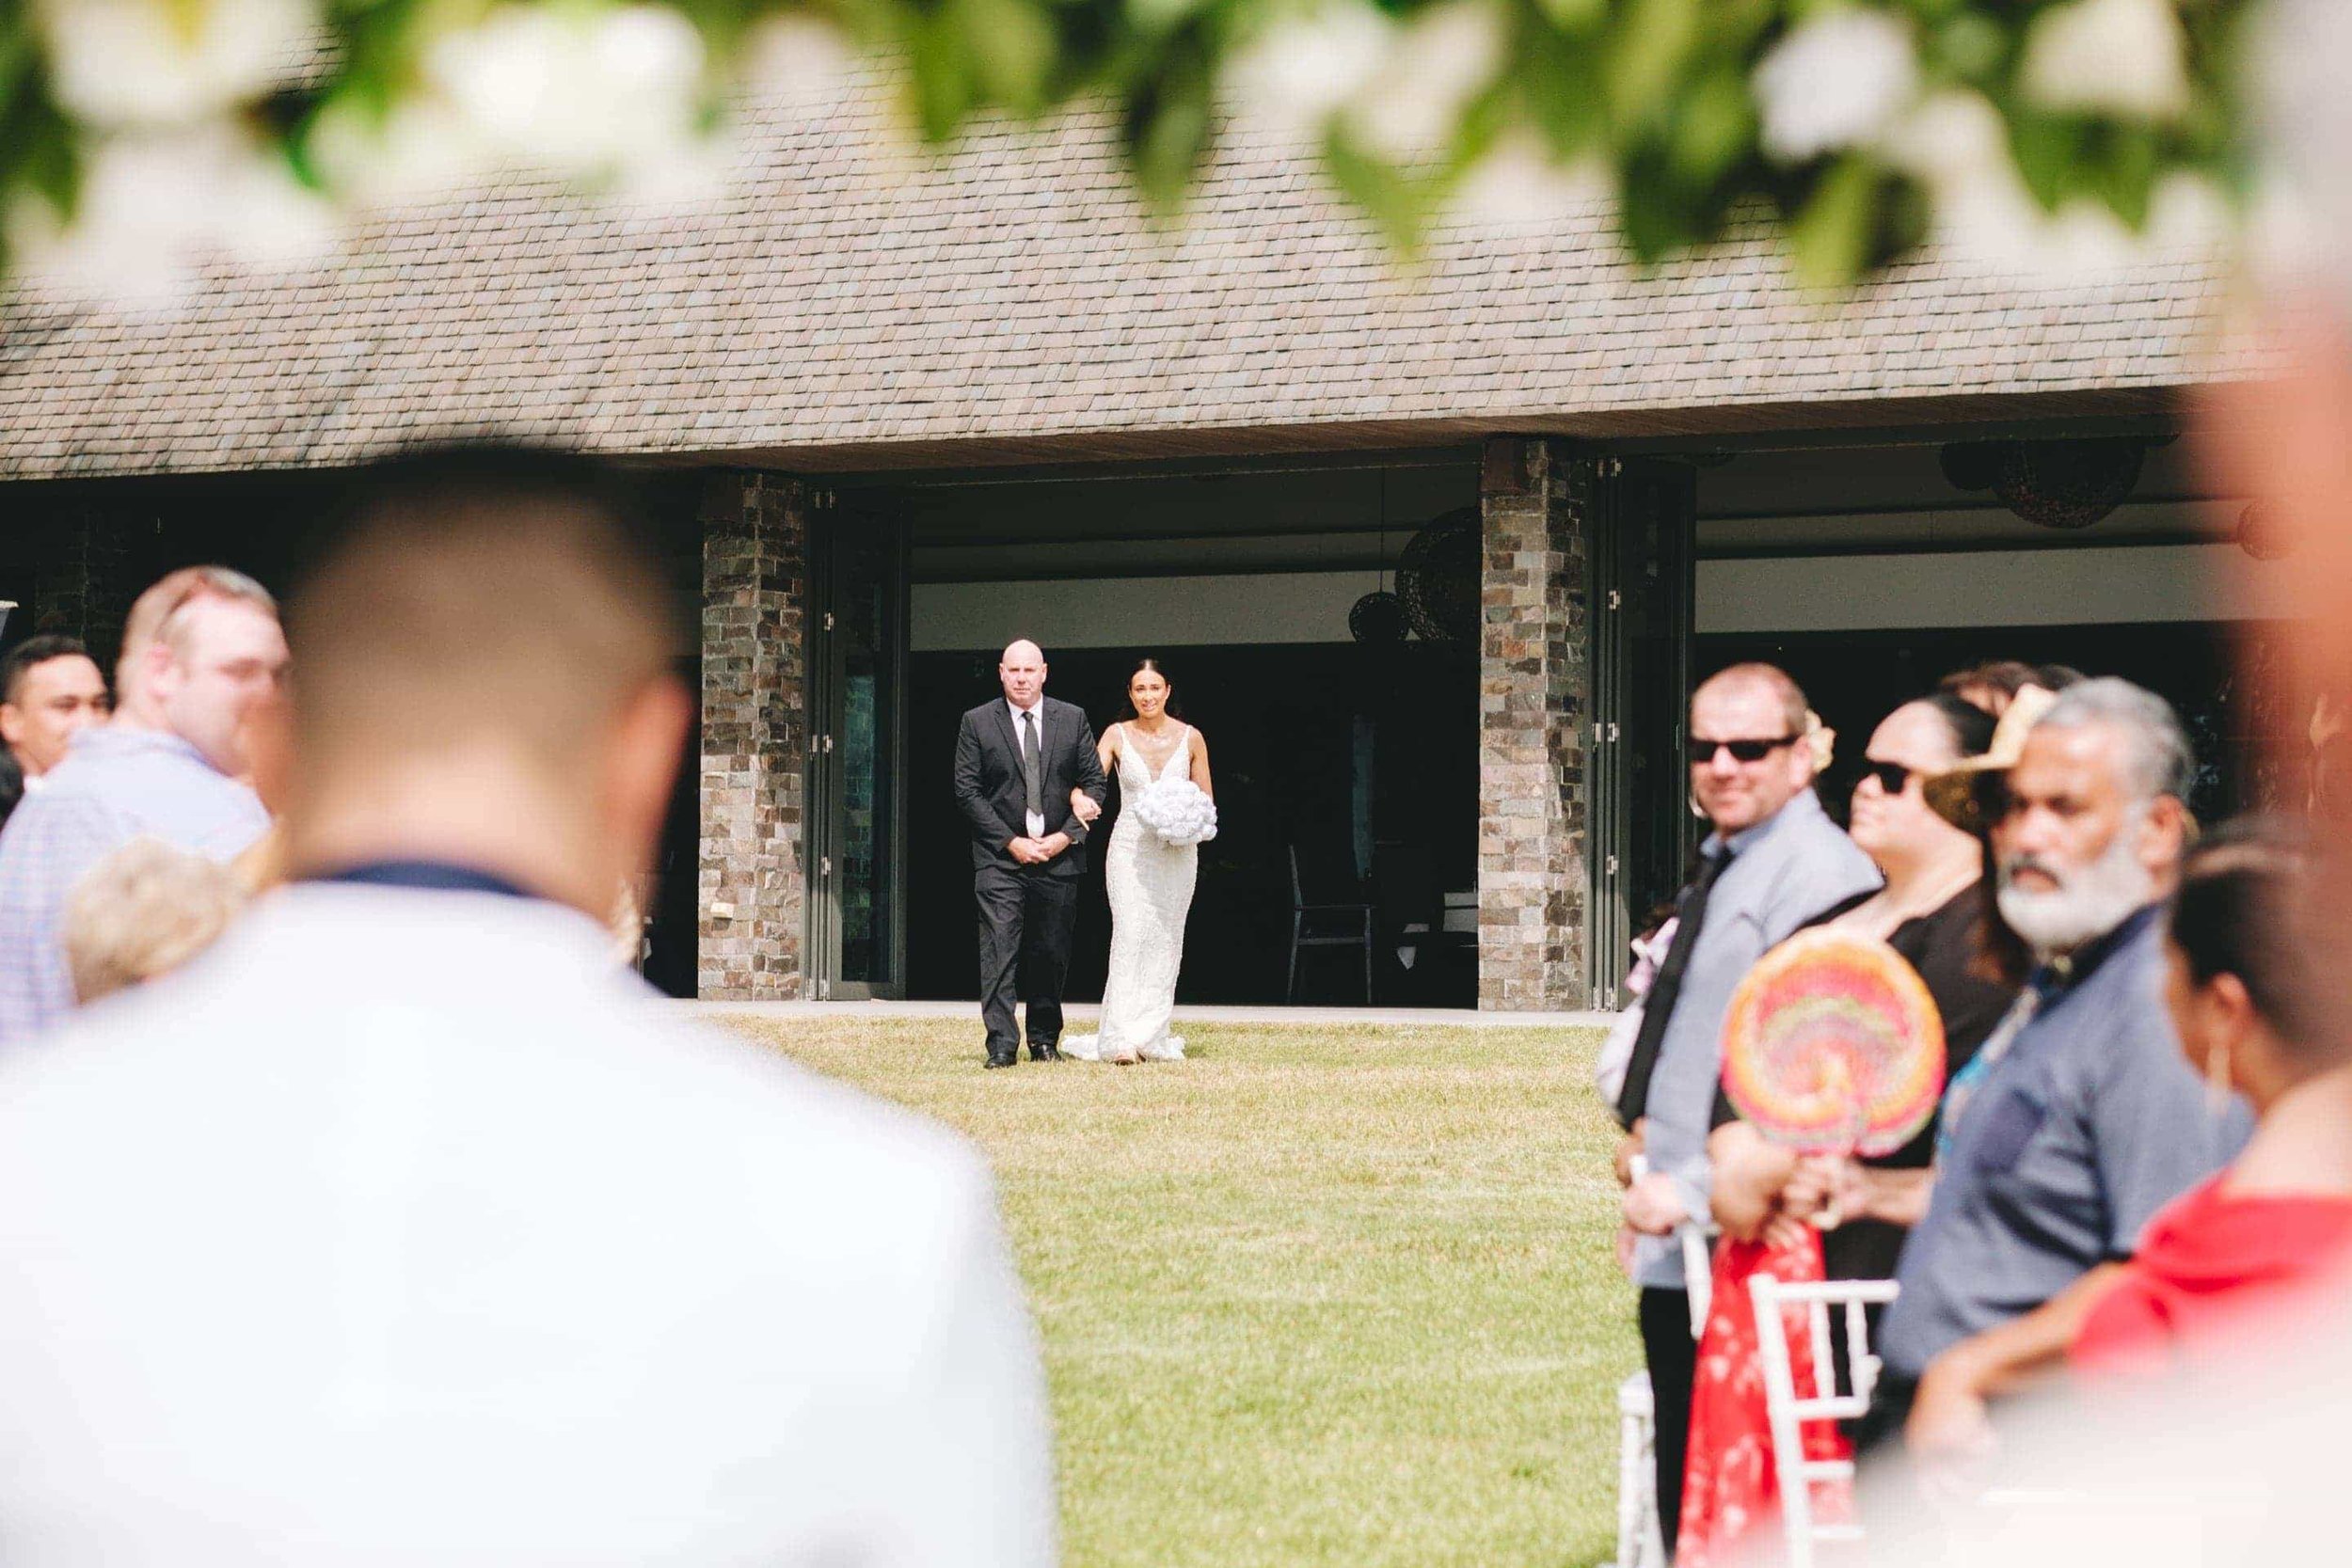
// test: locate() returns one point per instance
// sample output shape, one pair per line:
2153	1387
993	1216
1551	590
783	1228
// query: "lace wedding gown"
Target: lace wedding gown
1150	888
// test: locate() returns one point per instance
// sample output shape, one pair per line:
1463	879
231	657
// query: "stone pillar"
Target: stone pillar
81	585
1534	706
753	891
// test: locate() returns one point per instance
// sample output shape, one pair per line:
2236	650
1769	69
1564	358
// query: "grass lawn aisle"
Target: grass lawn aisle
1317	1296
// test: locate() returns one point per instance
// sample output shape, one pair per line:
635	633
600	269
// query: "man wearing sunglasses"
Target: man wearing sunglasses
1773	861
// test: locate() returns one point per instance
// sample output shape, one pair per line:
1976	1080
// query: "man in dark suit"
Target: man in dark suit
1017	760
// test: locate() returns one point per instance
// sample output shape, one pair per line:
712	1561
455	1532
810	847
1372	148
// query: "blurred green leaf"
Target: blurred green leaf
1167	130
1834	232
2049	151
2128	172
1651	41
1970	47
1715	128
1573	15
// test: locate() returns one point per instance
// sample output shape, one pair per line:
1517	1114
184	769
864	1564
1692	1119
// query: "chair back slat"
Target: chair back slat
1789	1413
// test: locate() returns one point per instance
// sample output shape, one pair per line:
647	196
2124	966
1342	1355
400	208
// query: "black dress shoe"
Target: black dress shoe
1044	1054
1008	1059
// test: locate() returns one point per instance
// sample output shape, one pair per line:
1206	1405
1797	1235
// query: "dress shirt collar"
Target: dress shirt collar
1801	803
2069	970
108	741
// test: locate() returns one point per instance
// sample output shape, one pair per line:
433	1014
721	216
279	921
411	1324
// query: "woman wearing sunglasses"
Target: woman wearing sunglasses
1767	1200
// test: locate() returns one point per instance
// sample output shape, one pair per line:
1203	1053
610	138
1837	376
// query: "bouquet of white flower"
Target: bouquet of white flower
1177	812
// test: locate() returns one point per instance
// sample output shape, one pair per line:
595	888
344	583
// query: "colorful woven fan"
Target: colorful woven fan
1834	1046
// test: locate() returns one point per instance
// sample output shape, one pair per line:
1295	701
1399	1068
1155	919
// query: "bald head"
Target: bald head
1768	681
1021	672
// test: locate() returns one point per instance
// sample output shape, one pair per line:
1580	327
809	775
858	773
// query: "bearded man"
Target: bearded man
2083	1119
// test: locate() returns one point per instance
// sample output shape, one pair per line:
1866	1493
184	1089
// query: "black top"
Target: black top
1943	946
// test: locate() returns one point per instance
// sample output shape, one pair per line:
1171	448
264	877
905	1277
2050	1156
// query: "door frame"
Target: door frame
1639	542
827	661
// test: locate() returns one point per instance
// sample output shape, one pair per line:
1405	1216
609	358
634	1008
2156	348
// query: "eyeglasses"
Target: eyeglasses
1893	777
1703	751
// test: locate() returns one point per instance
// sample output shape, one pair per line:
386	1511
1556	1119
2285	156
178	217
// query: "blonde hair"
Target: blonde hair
1794	708
143	912
159	615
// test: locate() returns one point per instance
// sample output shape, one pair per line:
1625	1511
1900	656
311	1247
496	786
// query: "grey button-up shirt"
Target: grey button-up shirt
115	784
1785	871
2089	1124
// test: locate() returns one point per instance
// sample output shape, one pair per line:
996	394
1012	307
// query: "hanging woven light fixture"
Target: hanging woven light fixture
1379	616
2068	485
1438	575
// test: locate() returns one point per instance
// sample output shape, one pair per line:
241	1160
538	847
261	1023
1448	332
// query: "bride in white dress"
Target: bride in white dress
1165	811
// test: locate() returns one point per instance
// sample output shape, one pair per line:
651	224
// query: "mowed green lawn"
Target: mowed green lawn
1316	1296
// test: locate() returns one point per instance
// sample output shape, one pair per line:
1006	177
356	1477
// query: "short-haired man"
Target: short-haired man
409	1226
1773	861
200	648
2079	1118
50	691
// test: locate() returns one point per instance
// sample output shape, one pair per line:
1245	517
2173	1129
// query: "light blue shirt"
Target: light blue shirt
2089	1124
1784	871
114	784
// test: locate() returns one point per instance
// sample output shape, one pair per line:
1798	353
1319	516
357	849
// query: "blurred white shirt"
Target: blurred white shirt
405	1227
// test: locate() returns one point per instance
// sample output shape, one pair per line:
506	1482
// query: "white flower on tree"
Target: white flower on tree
802	63
606	94
156	208
2124	58
1434	67
160	62
1841	80
1300	71
1519	188
1956	145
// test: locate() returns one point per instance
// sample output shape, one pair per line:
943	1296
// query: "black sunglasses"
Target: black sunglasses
1893	777
1703	751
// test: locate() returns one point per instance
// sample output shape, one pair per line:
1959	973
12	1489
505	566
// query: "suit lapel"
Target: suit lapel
1012	736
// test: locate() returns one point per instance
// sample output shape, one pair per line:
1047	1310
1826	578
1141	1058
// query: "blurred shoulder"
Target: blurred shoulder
698	1085
693	1103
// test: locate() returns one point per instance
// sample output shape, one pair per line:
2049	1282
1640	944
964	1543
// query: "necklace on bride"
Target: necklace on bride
1142	735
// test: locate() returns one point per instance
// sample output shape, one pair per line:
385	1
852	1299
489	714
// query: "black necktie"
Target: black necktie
1029	762
1659	1006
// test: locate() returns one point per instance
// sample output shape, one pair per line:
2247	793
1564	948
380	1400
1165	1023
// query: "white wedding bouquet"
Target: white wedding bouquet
1178	811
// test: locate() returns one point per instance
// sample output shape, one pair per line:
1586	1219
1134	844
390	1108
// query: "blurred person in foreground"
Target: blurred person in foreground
2078	1119
2277	1221
200	649
1815	1218
141	912
50	690
404	1227
1773	861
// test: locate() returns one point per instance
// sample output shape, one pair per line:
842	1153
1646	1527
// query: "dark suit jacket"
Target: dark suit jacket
994	792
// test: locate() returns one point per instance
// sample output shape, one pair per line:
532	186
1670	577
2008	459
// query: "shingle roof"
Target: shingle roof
849	306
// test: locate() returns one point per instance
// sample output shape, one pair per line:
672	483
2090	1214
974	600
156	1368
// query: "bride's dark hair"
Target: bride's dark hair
1127	708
